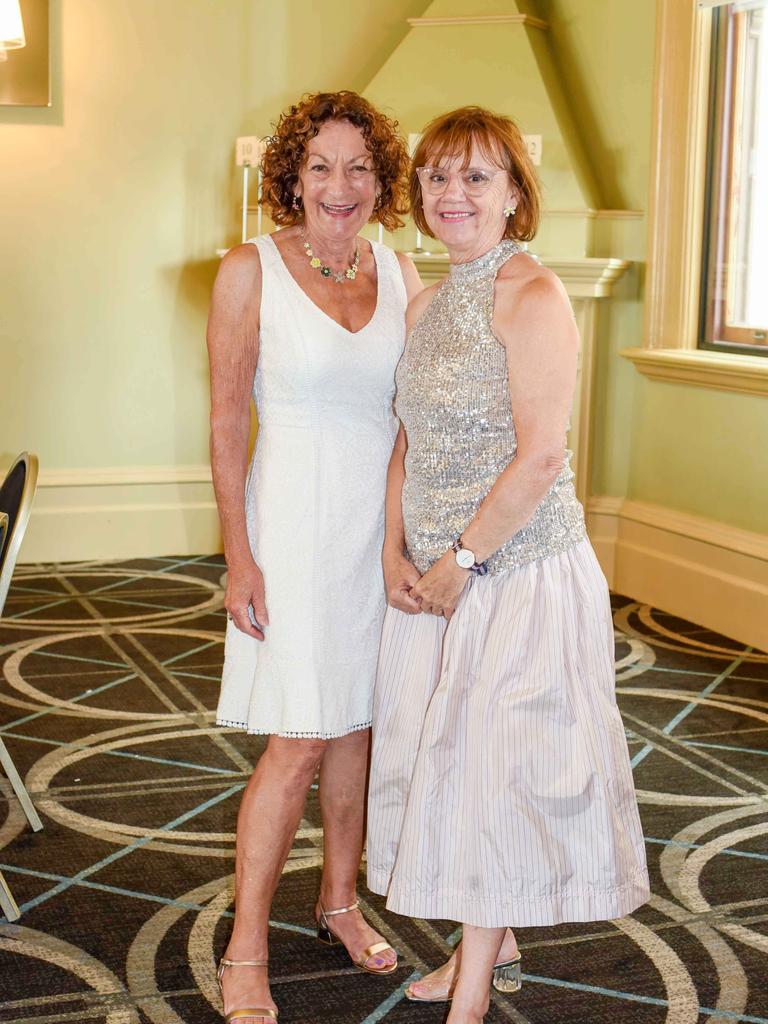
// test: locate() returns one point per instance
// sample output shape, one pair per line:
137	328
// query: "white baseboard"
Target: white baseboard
122	512
702	570
699	569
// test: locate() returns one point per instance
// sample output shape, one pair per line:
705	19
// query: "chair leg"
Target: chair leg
19	788
8	904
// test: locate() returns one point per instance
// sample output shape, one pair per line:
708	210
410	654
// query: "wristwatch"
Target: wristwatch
465	559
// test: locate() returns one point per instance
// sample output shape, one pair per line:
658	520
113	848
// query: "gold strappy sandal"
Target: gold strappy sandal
251	1011
325	935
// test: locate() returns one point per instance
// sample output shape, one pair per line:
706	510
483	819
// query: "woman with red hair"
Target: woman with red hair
501	791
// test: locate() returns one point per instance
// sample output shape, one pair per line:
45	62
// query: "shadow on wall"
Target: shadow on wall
190	284
193	283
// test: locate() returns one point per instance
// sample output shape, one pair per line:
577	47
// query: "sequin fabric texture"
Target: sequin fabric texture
454	402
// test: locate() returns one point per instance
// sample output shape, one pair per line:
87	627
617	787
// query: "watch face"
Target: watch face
465	559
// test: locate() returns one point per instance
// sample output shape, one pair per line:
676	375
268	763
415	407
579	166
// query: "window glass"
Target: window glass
735	292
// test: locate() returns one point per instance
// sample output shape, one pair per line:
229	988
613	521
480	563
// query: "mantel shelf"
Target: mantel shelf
584	277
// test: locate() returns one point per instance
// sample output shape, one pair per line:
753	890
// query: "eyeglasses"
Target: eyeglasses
474	180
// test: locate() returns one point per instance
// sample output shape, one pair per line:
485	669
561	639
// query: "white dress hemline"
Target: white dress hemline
294	735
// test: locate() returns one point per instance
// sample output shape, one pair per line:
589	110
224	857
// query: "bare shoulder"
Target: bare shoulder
411	277
418	304
530	296
406	263
237	289
241	263
524	278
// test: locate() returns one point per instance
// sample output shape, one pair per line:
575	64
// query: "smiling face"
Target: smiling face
467	224
337	182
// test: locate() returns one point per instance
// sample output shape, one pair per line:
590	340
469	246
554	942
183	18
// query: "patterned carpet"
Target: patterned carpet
110	672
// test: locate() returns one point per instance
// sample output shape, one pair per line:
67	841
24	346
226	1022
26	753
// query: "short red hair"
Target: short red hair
454	135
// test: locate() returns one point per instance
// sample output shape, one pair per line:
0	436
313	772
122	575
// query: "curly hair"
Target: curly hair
285	152
453	135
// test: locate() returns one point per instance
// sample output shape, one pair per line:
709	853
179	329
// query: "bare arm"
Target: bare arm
533	321
535	324
400	574
411	278
233	350
394	532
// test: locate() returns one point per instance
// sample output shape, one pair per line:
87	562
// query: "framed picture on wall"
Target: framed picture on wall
25	79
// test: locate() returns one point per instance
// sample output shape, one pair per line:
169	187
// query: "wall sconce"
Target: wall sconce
11	26
24	53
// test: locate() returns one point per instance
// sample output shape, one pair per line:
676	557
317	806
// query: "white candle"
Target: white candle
245	203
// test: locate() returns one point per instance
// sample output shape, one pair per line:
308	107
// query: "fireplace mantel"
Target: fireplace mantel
584	277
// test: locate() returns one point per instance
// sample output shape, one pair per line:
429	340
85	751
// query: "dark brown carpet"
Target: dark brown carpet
110	675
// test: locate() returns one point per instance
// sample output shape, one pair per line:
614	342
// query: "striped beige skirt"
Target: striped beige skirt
501	791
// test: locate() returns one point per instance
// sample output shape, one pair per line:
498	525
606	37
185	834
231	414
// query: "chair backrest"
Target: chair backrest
16	494
3	531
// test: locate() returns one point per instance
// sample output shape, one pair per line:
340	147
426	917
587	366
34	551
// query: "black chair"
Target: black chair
16	494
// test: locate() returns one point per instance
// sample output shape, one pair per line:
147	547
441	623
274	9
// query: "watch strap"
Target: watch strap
478	568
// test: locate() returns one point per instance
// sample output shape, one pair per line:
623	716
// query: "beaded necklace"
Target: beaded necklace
342	275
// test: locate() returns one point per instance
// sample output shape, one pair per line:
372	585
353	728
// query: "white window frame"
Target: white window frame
676	213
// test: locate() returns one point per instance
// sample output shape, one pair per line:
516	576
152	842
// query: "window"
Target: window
734	294
675	346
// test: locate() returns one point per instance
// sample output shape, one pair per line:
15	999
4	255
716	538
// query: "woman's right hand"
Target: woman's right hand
399	576
245	587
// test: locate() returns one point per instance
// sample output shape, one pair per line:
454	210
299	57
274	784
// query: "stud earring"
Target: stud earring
509	211
296	204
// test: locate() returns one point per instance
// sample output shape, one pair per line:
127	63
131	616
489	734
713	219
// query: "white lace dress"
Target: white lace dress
315	509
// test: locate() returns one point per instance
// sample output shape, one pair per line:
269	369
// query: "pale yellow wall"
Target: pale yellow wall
694	450
497	64
111	215
303	45
702	452
115	200
596	60
604	50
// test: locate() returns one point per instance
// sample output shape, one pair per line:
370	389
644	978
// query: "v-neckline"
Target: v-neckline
352	334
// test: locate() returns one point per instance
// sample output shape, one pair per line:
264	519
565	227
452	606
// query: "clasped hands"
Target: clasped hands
436	592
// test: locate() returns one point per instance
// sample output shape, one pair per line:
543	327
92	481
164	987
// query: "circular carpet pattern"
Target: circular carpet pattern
110	676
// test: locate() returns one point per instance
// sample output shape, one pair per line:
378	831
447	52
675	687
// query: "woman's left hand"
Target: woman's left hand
439	589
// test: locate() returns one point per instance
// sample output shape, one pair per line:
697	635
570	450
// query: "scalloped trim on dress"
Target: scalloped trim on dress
294	735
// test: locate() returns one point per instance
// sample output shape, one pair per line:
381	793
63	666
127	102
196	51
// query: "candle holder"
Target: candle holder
249	152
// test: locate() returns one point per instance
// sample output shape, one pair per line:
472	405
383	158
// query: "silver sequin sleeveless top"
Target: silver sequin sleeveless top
453	400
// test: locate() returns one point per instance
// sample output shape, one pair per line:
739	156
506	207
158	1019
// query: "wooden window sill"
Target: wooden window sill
721	370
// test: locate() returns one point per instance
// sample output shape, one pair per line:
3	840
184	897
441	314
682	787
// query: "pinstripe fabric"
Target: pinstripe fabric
501	791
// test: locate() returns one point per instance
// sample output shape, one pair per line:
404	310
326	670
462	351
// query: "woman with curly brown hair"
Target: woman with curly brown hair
312	320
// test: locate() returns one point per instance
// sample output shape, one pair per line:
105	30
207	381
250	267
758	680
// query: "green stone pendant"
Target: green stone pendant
349	274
